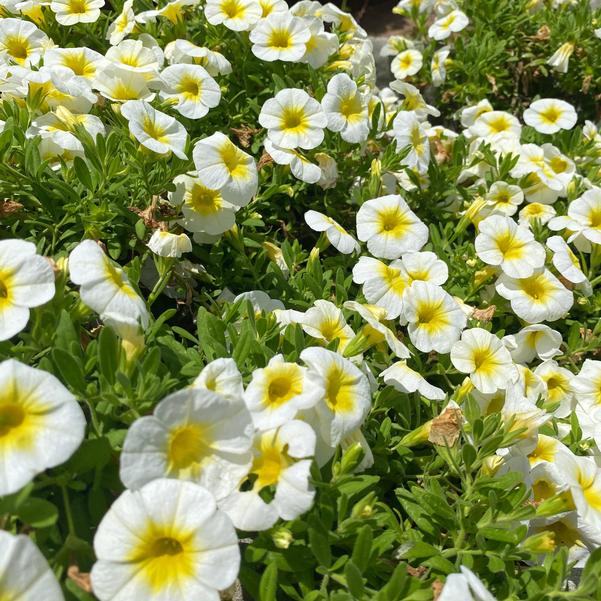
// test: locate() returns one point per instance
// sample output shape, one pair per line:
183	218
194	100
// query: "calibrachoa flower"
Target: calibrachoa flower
221	376
24	572
155	130
281	462
41	424
584	217
293	119
483	356
442	28
21	42
533	341
221	165
237	15
280	36
70	12
300	166
26	281
406	63
409	132
104	286
195	435
325	321
338	237
390	227
550	115
146	548
166	244
400	376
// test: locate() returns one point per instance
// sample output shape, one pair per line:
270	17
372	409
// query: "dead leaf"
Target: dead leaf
416	572
484	314
542	34
81	579
436	589
493	82
265	160
446	427
245	134
9	207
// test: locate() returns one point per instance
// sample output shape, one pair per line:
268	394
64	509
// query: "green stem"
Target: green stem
67	504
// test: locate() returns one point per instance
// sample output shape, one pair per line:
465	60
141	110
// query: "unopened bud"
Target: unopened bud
282	538
559	503
542	542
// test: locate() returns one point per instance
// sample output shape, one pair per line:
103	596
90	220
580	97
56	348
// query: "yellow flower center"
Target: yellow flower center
536	287
431	315
204	201
17	47
591	493
154	130
293	119
550	115
394	222
351	108
12	416
340	396
284	382
270	461
77	62
544	451
280	39
233	159
542	490
189	87
117	277
188	446
78	7
499	124
510	247
233	9
595	218
484	360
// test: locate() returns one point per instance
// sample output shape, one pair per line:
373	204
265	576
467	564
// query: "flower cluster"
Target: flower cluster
246	296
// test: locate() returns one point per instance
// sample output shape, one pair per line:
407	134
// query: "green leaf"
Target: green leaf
318	541
269	583
354	580
82	172
70	369
37	513
109	350
362	548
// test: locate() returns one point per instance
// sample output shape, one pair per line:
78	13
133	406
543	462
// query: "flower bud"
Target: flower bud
282	537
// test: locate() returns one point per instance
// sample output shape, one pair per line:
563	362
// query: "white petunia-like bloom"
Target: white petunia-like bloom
346	109
221	165
261	301
104	286
301	167
237	15
182	51
557	381
406	63
168	244
24	572
454	22
277	392
123	24
536	212
464	586
164	541
400	376
540	297
26	281
137	56
389	227
41	425
338	237
408	131
565	261
190	89
424	267
120	85
533	341
325	321
583	476
383	285
70	12
492	125
583	218
347	399
550	115
413	101
293	119
483	356
21	42
504	199
470	114
273	7
435	319
438	64
587	389
223	377
203	209
84	62
280	36
194	434
560	60
282	464
154	130
320	45
501	242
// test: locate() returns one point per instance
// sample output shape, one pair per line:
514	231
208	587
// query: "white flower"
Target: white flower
104	286
25	574
502	242
300	166
167	244
483	356
492	125
222	166
540	297
558	384
273	7
120	85
281	462
154	130
280	36
536	212
470	114
320	45
464	586
279	391
425	267
346	109
183	51
191	90
389	227
26	281
400	376
41	424
406	63
560	60
435	319
442	28
123	24
84	62
347	397
584	217
550	115
504	198
293	119
204	210
193	434
338	237
137	56
325	321
221	376
533	341
237	15
161	540
565	261
413	101
70	12
383	285
21	42
260	301
409	131
438	65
